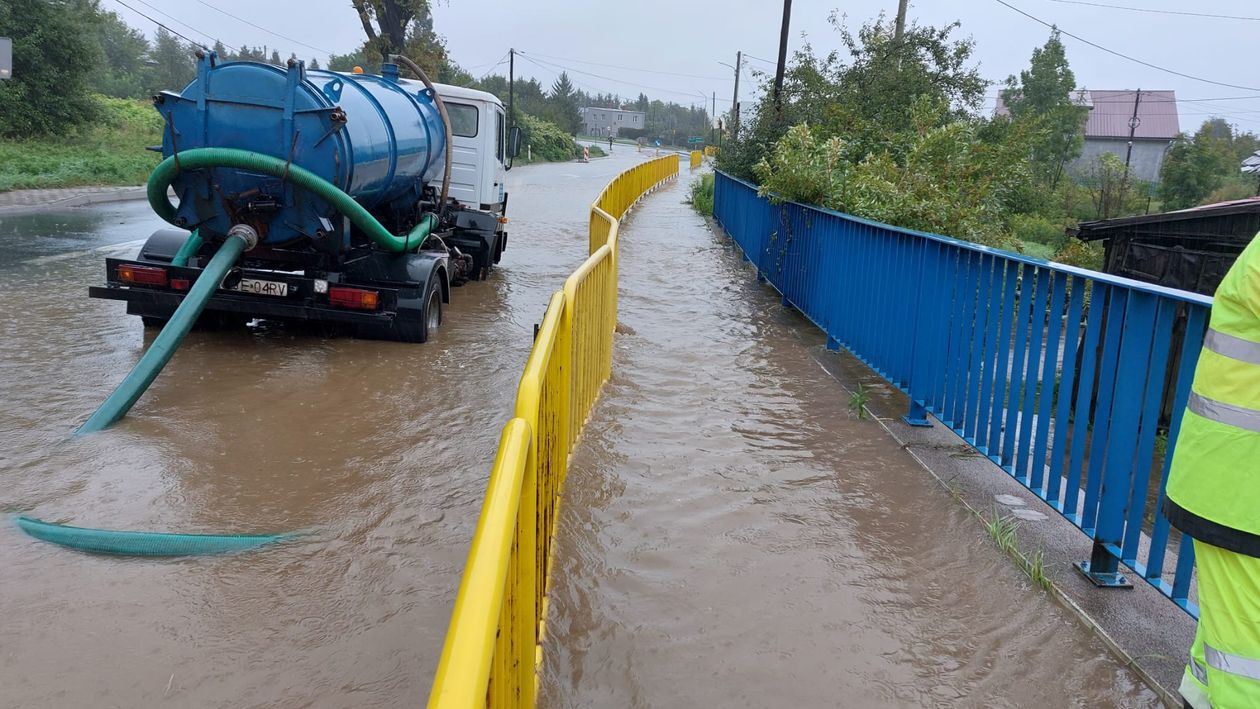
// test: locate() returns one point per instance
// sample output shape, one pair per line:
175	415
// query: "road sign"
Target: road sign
695	140
6	58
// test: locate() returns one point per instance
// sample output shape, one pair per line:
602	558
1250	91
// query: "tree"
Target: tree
173	64
1107	186
359	58
1043	95
54	59
866	93
122	71
275	58
313	64
1197	165
564	104
401	27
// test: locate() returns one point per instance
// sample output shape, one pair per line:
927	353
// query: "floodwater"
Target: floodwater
378	451
730	535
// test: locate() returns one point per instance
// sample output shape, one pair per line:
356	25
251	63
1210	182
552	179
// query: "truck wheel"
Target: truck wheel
417	325
433	308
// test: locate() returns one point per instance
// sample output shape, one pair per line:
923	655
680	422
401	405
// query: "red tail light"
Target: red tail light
356	298
142	275
180	283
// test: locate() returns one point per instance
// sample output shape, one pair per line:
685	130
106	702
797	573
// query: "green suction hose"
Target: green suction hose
114	541
188	249
201	158
163	347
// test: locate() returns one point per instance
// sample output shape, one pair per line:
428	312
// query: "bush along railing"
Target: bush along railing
493	644
1072	381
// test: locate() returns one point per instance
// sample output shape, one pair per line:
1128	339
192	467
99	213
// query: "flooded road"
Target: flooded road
732	536
379	451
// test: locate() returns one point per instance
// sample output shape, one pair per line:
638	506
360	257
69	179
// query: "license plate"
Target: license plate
258	287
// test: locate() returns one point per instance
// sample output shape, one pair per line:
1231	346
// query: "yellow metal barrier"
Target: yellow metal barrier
493	644
696	158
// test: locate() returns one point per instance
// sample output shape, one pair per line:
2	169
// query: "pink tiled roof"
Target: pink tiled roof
1110	111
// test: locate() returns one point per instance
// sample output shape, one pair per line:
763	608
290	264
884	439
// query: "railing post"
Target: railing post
917	413
1136	323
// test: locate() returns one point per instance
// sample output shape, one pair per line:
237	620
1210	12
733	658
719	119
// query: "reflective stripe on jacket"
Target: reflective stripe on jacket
1214	480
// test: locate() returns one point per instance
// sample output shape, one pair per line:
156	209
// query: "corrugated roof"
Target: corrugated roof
1110	111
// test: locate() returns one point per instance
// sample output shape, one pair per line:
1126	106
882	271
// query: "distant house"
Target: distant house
609	121
1107	129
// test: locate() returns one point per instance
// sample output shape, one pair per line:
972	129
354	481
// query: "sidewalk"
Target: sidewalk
24	201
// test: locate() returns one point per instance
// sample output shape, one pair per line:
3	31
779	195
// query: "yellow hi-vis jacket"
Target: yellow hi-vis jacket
1214	481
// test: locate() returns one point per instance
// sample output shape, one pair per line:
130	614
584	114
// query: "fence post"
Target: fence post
1136	323
917	413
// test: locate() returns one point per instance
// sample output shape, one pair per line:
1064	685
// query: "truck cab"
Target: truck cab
479	152
482	147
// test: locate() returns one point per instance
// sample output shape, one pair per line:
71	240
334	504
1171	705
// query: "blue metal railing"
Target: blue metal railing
1071	381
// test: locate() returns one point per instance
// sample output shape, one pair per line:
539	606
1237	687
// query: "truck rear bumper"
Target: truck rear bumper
156	303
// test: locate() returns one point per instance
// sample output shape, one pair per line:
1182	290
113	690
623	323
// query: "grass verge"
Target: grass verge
108	152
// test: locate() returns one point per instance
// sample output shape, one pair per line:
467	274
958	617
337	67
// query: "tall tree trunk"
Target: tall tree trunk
365	18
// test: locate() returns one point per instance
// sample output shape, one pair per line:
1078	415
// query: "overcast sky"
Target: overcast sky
692	36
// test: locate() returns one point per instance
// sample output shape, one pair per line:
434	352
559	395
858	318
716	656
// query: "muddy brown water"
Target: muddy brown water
379	451
730	535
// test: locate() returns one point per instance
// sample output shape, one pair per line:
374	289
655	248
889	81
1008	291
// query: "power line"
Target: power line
767	61
587	87
1124	56
264	29
177	21
497	64
1129	101
629	68
609	78
1154	11
191	41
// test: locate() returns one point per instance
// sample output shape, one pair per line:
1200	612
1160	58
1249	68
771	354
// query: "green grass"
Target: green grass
702	194
1003	530
858	401
1039	250
109	152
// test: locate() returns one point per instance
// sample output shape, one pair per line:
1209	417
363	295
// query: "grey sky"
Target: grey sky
692	36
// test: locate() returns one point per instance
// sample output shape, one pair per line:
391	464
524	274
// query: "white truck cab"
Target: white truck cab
479	158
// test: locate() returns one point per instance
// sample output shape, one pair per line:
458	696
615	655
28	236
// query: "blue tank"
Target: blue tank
378	138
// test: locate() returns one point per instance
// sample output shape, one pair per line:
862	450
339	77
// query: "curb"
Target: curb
82	199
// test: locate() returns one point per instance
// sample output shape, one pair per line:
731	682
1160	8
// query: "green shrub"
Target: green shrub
546	141
702	194
1082	254
1032	229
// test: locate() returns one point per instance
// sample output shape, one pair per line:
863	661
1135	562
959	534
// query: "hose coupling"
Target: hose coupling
247	233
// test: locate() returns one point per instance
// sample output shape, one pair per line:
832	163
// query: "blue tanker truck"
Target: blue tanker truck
349	200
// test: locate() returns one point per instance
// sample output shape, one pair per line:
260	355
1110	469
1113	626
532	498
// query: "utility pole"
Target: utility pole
734	124
713	120
901	21
511	86
783	40
1134	122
